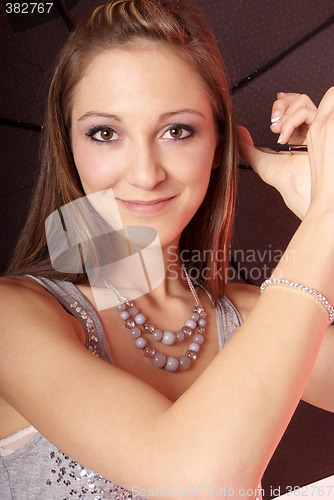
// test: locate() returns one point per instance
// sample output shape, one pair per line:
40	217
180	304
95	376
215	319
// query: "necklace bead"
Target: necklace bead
129	323
148	327
168	338
172	364
200	330
149	352
184	363
179	336
135	332
141	343
194	347
199	339
159	360
191	323
187	331
140	319
157	335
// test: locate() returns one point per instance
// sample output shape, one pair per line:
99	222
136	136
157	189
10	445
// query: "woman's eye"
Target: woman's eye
178	132
104	134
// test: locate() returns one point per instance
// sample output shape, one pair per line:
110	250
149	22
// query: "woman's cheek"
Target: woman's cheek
93	169
199	166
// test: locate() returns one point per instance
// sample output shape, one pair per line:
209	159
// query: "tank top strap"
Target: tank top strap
228	321
227	316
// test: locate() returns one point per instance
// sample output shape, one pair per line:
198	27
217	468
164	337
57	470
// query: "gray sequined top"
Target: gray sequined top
40	471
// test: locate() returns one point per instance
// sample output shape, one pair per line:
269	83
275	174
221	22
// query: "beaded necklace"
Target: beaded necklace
139	328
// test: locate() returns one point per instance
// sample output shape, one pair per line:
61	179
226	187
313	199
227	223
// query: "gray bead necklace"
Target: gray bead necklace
138	327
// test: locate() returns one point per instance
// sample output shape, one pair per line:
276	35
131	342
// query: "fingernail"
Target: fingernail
279	140
275	117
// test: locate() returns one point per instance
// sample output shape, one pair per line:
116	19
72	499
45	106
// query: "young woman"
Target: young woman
139	105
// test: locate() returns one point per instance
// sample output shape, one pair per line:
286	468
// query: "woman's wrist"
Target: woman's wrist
308	259
322	206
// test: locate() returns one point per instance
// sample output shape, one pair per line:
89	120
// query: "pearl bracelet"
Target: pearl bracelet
323	301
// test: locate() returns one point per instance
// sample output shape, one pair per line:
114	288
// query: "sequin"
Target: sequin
93	340
88	485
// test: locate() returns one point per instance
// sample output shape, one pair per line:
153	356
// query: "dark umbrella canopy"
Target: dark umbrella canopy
29	43
268	47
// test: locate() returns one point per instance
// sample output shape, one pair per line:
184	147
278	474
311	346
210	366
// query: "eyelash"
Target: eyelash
182	126
94	130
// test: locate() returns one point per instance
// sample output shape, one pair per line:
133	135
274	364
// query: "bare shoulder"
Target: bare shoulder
243	297
27	308
16	288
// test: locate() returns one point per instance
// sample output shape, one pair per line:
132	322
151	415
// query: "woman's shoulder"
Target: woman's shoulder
243	297
21	293
26	303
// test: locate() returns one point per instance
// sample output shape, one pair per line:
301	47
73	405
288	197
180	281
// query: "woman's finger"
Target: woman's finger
288	103
294	128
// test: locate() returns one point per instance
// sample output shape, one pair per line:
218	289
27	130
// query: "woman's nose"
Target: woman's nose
145	169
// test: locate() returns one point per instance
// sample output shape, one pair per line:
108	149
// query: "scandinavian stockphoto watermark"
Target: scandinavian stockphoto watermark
314	491
198	491
88	236
249	264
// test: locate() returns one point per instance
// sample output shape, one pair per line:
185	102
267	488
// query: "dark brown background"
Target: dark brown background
251	34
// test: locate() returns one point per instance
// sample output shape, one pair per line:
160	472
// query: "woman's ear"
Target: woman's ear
217	157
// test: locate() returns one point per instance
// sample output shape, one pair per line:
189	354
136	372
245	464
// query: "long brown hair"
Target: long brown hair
182	26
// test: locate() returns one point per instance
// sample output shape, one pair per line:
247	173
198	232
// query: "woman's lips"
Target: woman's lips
146	207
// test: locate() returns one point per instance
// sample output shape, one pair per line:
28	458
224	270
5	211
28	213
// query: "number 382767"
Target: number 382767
28	8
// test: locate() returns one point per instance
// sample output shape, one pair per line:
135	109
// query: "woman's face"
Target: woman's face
142	124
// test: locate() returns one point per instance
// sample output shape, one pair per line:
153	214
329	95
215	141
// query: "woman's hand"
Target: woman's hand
292	115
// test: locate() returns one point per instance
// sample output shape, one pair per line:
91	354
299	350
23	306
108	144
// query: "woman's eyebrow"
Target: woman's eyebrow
179	111
97	113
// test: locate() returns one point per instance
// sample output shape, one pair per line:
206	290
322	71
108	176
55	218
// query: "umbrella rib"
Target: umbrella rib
63	13
280	56
20	124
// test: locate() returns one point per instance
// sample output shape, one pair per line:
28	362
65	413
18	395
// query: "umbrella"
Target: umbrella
268	47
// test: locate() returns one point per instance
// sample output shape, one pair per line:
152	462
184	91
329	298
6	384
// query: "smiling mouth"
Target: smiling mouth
146	207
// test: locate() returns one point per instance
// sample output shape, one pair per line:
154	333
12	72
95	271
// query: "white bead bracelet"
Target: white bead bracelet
323	301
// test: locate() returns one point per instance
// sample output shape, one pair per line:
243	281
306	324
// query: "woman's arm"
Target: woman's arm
319	390
223	430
